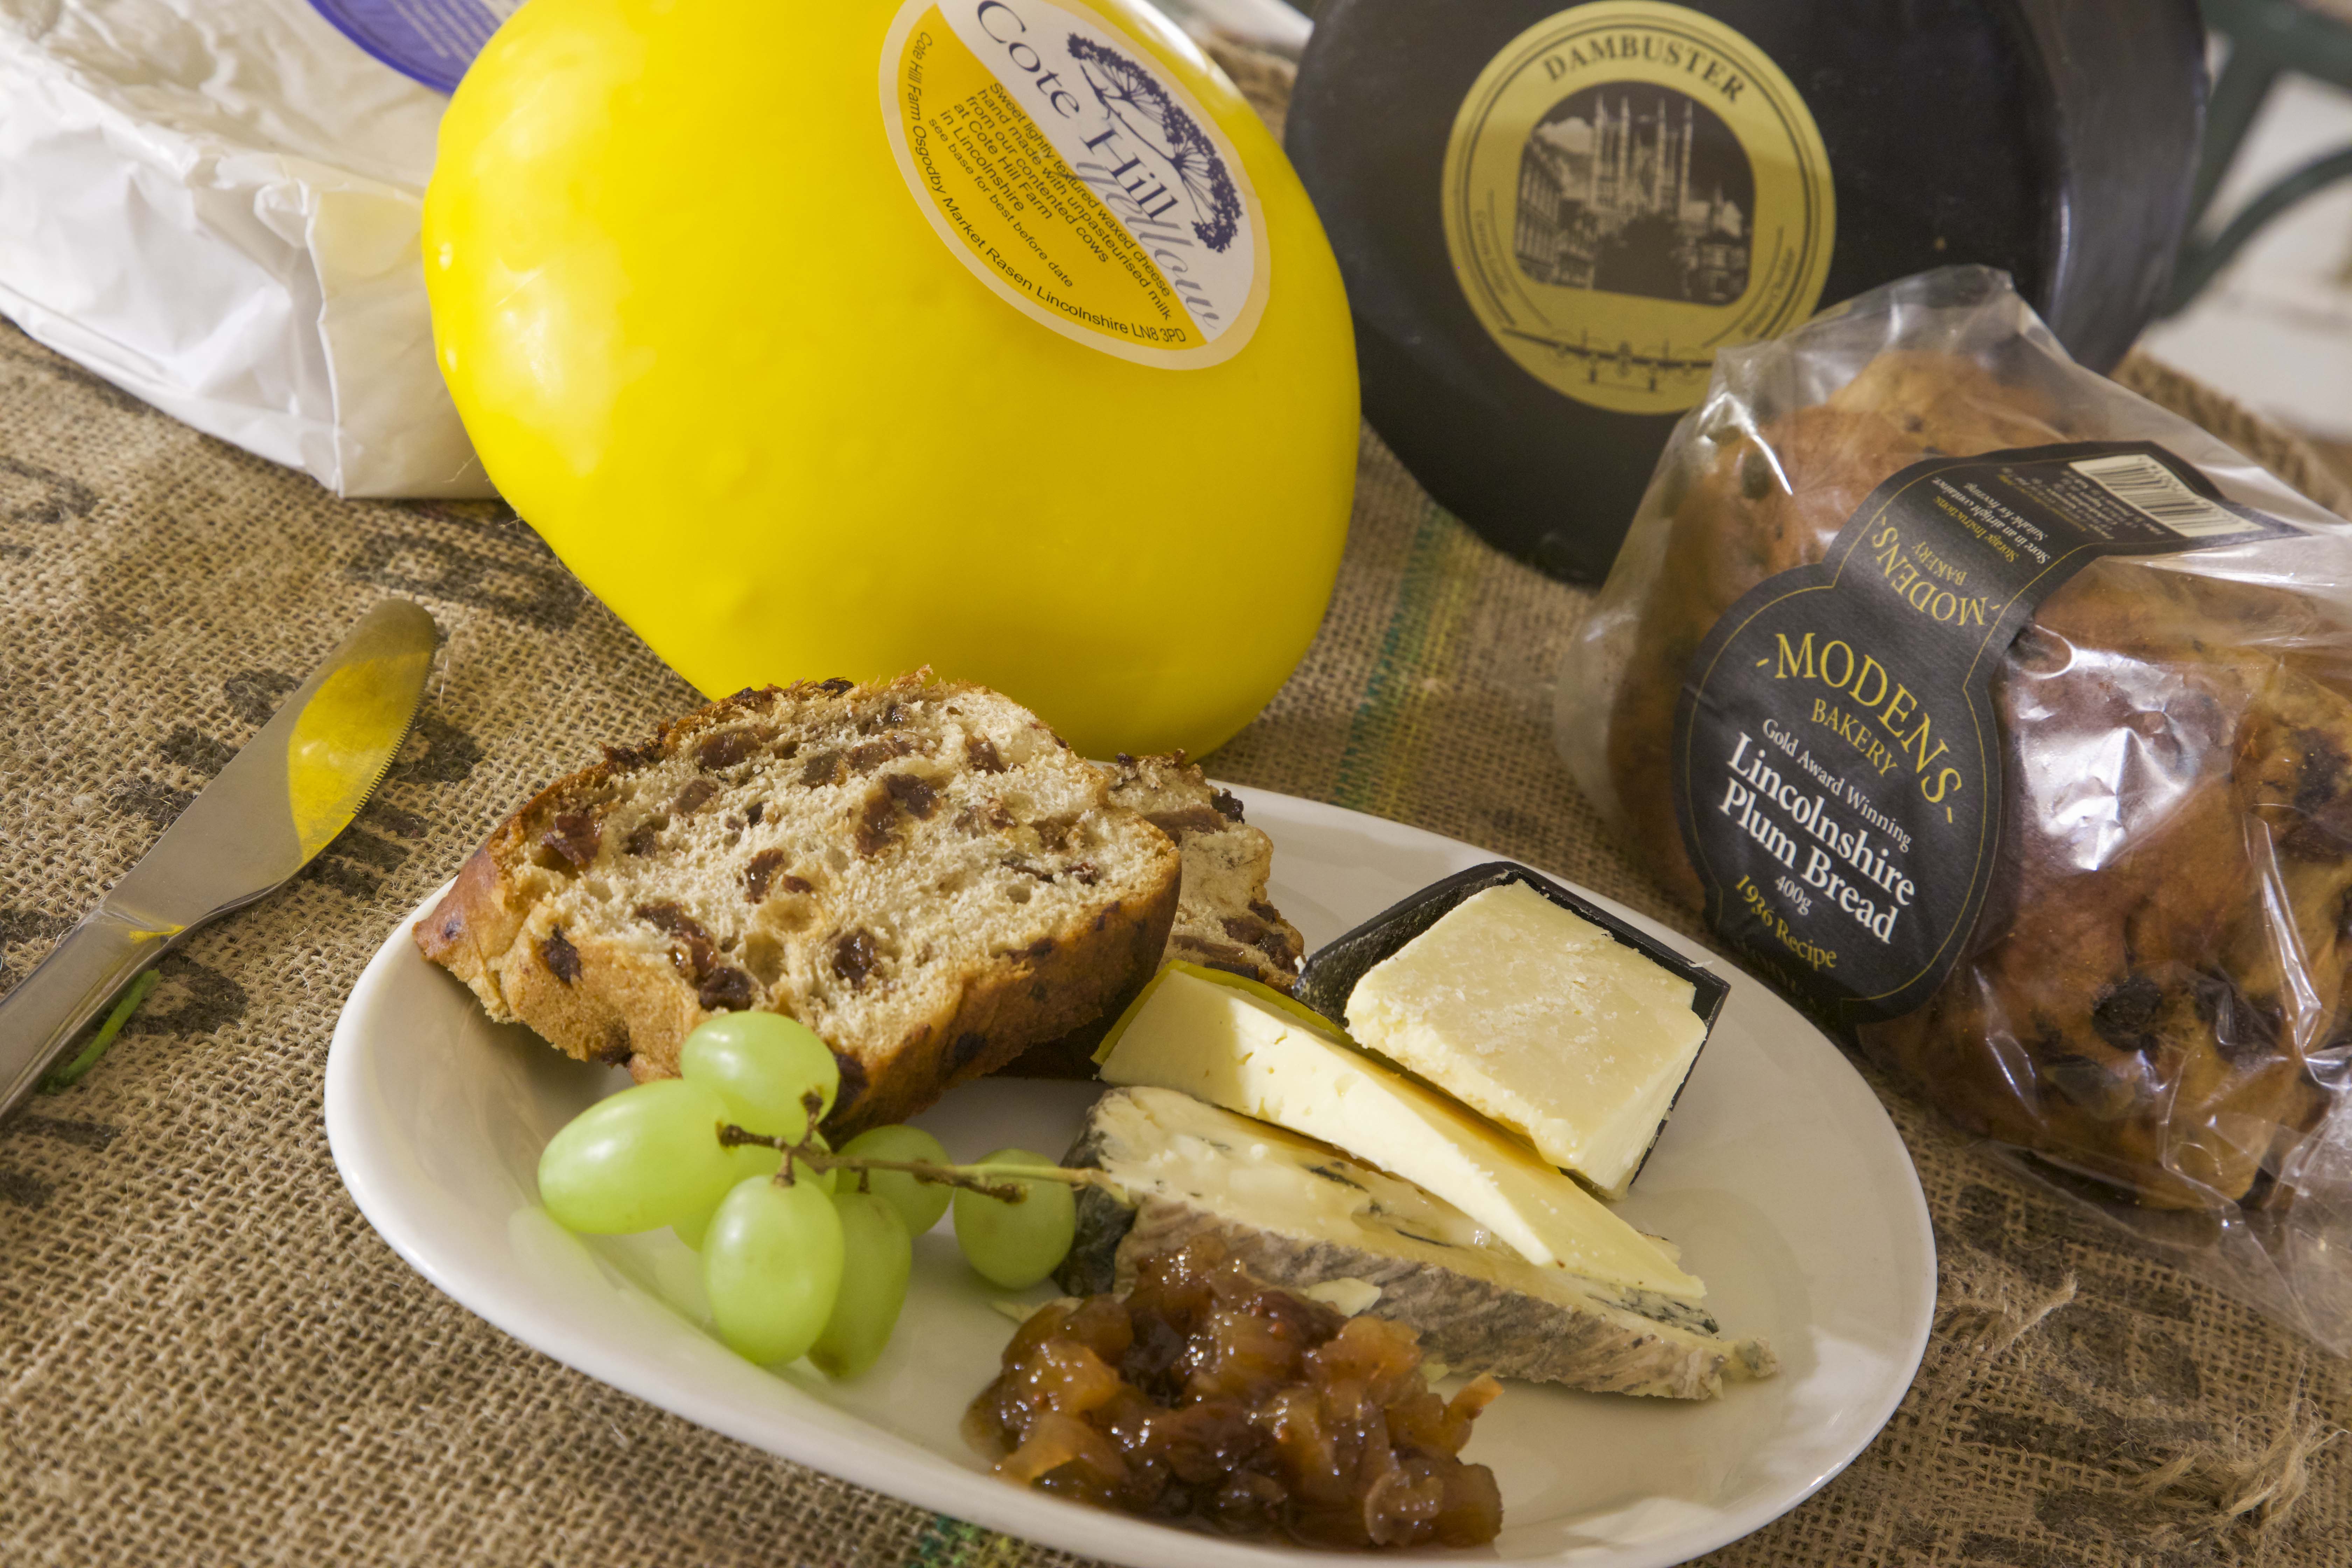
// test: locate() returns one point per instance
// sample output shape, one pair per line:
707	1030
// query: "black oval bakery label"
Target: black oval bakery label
1837	756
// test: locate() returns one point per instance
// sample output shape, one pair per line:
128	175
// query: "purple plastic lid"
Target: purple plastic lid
431	41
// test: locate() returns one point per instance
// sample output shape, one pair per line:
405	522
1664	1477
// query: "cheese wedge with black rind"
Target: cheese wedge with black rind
1297	1213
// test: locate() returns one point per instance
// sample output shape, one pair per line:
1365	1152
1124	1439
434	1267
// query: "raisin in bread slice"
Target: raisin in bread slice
919	871
1224	920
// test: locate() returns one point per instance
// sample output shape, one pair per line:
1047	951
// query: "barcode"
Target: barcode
2141	482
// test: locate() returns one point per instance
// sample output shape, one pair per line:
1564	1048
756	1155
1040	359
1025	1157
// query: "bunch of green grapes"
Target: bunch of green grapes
797	1262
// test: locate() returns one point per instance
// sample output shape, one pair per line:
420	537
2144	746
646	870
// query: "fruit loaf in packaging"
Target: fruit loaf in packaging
2006	719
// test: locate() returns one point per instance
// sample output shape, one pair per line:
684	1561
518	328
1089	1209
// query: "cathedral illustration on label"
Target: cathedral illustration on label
1629	188
1635	189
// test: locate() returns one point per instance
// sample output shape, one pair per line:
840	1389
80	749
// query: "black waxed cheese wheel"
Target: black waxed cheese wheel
1662	181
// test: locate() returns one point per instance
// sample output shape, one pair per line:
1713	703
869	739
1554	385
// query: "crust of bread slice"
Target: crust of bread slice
920	871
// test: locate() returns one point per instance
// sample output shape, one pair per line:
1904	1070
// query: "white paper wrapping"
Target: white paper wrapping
213	203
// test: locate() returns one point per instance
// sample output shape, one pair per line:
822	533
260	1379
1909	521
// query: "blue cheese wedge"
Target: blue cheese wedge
1540	1021
1258	1057
1300	1216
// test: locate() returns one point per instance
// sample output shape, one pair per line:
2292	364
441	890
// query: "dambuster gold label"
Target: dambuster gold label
1630	187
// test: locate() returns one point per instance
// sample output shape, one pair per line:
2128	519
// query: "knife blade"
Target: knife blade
266	815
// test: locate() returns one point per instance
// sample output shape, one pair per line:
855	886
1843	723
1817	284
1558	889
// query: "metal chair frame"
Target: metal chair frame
2267	38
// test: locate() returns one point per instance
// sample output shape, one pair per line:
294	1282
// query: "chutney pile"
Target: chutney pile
1204	1394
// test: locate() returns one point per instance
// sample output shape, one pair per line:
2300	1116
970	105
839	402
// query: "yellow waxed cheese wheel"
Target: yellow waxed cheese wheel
695	295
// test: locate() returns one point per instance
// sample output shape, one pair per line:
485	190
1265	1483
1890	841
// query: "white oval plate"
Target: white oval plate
1779	1175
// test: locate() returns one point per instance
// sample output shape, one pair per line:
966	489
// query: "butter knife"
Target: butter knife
280	800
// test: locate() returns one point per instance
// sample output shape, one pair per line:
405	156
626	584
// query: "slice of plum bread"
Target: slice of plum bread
920	871
1222	918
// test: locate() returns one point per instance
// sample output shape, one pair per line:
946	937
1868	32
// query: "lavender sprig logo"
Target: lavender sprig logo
1132	97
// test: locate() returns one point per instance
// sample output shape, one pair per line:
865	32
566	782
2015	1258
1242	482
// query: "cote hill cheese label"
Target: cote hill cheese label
1837	754
1629	187
1060	162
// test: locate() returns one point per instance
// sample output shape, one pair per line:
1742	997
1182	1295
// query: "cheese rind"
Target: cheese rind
1220	1044
1298	1214
1541	1021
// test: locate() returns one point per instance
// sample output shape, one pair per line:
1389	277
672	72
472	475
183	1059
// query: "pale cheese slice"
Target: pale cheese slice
1541	1021
1231	1048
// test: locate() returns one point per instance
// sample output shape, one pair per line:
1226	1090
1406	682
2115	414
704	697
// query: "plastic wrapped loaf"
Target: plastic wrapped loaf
2153	997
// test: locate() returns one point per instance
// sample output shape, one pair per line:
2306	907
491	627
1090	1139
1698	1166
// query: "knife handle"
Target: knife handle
48	1007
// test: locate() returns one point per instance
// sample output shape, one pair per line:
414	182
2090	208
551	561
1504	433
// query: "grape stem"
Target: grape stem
970	1178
